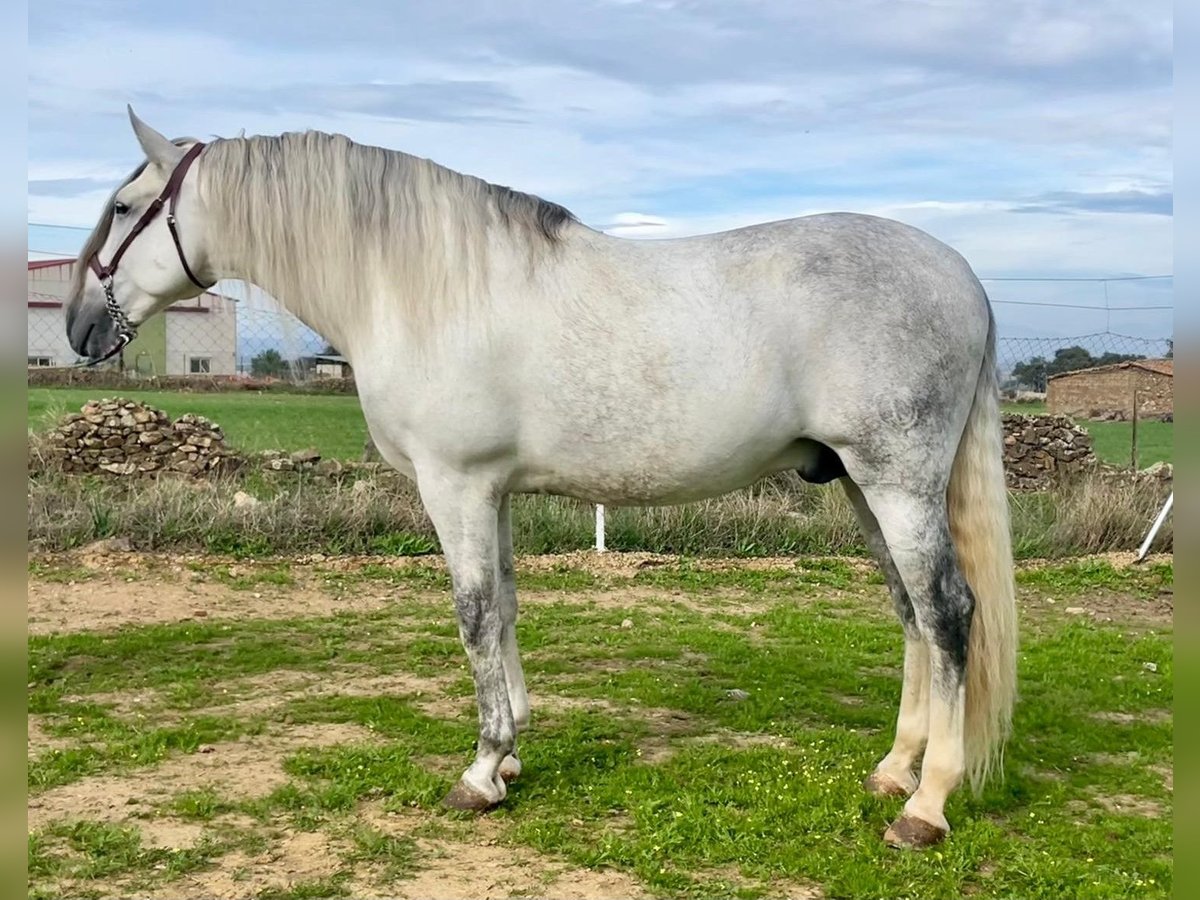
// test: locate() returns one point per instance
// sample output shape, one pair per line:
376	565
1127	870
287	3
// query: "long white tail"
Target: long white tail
979	524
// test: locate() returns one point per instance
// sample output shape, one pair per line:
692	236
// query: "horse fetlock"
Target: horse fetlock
887	784
510	767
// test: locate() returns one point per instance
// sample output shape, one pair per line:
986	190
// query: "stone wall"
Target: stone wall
1038	450
109	379
1108	393
124	437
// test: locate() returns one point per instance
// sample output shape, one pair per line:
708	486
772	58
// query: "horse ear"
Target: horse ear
157	148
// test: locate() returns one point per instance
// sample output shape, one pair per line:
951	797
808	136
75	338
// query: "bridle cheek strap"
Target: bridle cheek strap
169	198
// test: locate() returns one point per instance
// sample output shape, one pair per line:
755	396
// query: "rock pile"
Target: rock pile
299	461
1040	449
123	437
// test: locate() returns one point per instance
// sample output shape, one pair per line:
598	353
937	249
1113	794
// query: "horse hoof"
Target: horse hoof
463	796
910	833
882	785
510	769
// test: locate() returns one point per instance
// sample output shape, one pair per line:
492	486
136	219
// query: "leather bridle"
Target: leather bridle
126	330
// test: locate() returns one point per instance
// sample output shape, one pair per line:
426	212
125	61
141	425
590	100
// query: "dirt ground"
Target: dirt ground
104	588
117	588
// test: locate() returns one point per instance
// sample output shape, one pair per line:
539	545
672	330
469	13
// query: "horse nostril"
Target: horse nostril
82	349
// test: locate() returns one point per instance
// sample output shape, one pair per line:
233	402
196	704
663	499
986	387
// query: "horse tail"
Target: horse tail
978	506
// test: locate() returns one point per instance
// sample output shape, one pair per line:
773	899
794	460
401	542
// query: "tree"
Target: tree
1032	374
269	363
1037	370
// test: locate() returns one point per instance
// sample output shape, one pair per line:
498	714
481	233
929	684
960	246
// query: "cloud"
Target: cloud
632	224
432	101
964	118
1159	203
68	187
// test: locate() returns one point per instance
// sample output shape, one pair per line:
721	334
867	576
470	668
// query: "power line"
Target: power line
1077	305
1068	278
48	225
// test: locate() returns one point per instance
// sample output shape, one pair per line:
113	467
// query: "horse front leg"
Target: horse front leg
465	515
514	675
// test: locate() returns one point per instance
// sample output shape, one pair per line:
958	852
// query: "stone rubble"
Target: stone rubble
1040	449
116	436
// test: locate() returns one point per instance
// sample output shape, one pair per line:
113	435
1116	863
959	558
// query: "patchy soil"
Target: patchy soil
1124	718
477	863
38	741
107	587
246	768
1130	805
104	602
296	858
262	695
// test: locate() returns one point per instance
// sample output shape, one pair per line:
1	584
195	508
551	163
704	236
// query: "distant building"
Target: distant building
328	366
194	337
1106	391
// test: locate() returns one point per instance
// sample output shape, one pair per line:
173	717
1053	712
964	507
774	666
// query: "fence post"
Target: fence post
600	528
1133	454
1158	521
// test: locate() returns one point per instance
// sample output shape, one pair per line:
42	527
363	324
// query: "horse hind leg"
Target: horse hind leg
893	776
915	527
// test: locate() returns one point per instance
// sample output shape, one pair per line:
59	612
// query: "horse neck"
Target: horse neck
438	270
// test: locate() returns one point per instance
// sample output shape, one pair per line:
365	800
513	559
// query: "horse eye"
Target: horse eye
120	208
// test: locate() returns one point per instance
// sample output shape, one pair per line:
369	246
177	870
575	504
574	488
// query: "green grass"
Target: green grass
333	424
1112	442
652	770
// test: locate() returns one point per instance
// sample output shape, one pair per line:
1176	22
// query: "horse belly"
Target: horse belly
643	472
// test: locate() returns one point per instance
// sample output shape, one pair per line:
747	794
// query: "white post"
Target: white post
599	528
1162	517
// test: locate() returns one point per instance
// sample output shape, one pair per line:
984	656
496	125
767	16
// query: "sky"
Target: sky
1034	136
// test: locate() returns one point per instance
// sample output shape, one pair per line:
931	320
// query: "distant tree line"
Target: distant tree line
270	363
1034	373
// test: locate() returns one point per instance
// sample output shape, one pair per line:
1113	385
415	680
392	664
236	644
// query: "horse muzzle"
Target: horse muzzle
94	335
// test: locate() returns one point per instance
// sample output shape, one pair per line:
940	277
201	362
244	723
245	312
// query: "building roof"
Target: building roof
1157	366
71	260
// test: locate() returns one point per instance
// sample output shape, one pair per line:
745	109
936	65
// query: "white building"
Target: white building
195	337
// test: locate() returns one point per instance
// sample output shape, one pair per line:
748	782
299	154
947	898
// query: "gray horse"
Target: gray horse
500	346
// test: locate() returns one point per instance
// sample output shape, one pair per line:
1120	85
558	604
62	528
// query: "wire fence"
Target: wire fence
1025	363
256	339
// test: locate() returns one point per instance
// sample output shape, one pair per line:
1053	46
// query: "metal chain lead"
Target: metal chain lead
124	326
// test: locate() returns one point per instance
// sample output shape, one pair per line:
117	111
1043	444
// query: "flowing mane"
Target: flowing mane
374	217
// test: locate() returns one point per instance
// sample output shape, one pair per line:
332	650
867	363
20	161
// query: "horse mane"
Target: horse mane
380	221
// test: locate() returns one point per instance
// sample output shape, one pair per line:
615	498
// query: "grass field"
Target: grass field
335	426
268	421
294	742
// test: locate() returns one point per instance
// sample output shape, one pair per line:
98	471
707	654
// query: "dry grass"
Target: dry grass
780	516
